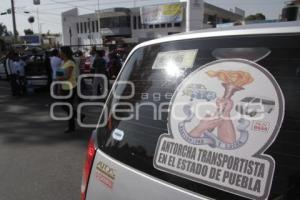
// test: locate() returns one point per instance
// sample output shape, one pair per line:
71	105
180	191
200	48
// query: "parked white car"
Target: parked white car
121	164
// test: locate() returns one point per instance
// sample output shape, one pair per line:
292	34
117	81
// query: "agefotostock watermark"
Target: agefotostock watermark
122	111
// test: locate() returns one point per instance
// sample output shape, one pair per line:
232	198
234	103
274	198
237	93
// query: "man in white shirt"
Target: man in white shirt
12	73
55	63
19	74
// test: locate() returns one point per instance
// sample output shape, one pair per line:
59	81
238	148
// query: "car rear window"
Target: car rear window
154	87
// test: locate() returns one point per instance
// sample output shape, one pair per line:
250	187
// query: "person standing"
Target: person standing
21	76
55	63
68	67
16	72
100	68
47	65
92	58
11	72
114	65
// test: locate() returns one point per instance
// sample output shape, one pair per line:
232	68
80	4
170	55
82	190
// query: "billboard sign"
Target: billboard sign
168	13
31	39
36	2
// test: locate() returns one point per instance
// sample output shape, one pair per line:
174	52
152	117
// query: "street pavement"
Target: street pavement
38	161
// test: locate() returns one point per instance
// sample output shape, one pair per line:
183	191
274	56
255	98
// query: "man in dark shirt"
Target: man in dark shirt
99	66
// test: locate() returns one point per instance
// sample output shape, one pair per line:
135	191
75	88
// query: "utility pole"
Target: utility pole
14	18
188	16
99	23
37	3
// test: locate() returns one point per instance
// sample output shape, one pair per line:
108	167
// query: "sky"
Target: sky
50	10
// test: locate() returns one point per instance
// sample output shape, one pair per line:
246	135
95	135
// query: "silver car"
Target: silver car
121	163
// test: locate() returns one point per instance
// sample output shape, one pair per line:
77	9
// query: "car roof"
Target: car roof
254	29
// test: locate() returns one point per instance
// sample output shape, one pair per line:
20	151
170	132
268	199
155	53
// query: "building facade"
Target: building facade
125	25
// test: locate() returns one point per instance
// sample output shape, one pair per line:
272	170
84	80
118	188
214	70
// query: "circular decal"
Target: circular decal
222	118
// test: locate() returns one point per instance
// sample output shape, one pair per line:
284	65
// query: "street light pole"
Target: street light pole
38	19
14	18
188	16
99	24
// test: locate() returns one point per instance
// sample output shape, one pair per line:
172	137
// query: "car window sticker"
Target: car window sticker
213	138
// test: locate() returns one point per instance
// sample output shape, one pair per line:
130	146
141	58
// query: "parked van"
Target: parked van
254	105
154	141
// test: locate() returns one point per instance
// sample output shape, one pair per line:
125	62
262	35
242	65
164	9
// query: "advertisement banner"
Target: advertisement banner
31	39
158	14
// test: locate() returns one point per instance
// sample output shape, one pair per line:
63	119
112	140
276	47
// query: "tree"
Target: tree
3	30
28	32
257	16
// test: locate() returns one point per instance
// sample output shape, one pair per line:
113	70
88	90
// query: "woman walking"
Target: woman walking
68	75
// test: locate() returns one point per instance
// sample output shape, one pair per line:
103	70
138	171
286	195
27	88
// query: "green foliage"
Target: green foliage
3	30
257	16
28	32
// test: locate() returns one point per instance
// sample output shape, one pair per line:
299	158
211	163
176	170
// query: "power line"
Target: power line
70	4
72	1
87	5
52	22
47	13
56	14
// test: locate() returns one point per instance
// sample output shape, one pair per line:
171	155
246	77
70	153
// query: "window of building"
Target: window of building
205	18
104	23
172	33
140	22
128	21
81	27
89	26
226	20
169	25
151	26
97	26
93	26
115	22
124	21
77	27
212	20
178	24
134	22
157	26
163	25
145	26
85	27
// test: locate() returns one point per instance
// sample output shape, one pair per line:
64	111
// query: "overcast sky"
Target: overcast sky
50	19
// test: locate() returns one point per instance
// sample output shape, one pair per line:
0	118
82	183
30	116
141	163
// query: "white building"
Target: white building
134	25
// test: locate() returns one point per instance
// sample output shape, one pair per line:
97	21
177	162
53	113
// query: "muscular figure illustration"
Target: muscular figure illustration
233	81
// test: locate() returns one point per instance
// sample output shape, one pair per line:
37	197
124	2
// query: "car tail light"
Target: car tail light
91	151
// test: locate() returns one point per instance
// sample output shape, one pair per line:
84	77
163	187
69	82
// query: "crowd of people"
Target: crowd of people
65	65
16	73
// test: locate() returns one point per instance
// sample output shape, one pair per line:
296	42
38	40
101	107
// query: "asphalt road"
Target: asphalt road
38	161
